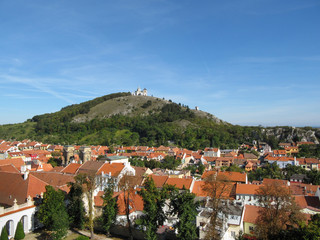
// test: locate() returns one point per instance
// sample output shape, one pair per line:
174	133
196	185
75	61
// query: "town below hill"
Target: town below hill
98	182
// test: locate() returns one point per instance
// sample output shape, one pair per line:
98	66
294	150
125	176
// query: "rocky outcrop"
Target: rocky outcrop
293	134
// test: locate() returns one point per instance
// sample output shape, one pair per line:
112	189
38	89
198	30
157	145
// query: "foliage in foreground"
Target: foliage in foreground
110	209
184	205
75	207
153	207
53	214
19	232
4	234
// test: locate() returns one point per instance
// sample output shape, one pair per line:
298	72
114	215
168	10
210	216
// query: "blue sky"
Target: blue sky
249	62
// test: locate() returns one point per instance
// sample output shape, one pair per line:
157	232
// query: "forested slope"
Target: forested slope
123	119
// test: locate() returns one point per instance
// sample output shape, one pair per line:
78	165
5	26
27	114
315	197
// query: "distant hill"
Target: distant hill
123	119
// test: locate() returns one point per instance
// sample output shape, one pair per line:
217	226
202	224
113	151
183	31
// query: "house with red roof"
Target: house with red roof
309	163
279	153
308	204
181	183
17	192
247	194
136	208
16	162
211	152
162	149
249	219
5	149
282	162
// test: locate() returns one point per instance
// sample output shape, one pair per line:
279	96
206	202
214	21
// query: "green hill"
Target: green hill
123	119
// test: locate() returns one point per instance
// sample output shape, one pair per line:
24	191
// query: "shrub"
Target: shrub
4	234
19	232
82	238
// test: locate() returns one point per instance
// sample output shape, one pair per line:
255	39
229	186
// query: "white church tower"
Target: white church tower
138	92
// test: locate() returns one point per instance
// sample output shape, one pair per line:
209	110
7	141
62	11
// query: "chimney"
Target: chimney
25	175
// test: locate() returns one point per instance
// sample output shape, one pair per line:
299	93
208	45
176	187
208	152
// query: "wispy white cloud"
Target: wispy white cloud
21	96
37	84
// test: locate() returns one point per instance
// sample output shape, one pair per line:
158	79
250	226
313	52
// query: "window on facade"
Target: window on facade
250	228
233	234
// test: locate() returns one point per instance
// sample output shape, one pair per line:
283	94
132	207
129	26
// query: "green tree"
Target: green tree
234	168
19	232
110	209
52	213
153	207
312	230
170	162
184	205
4	234
75	207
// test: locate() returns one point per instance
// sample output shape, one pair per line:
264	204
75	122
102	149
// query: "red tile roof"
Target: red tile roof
71	168
207	173
180	182
114	168
251	213
159	181
234	176
9	168
90	167
55	179
198	189
247	189
272	181
136	203
308	202
17	162
13	186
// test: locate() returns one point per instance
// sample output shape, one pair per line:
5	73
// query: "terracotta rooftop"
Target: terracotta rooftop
114	168
272	181
136	203
13	186
251	213
198	189
90	167
180	182
207	173
247	189
71	168
159	181
308	202
234	176
17	162
55	179
9	168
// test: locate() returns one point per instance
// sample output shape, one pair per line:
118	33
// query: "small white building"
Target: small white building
138	92
9	217
211	152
